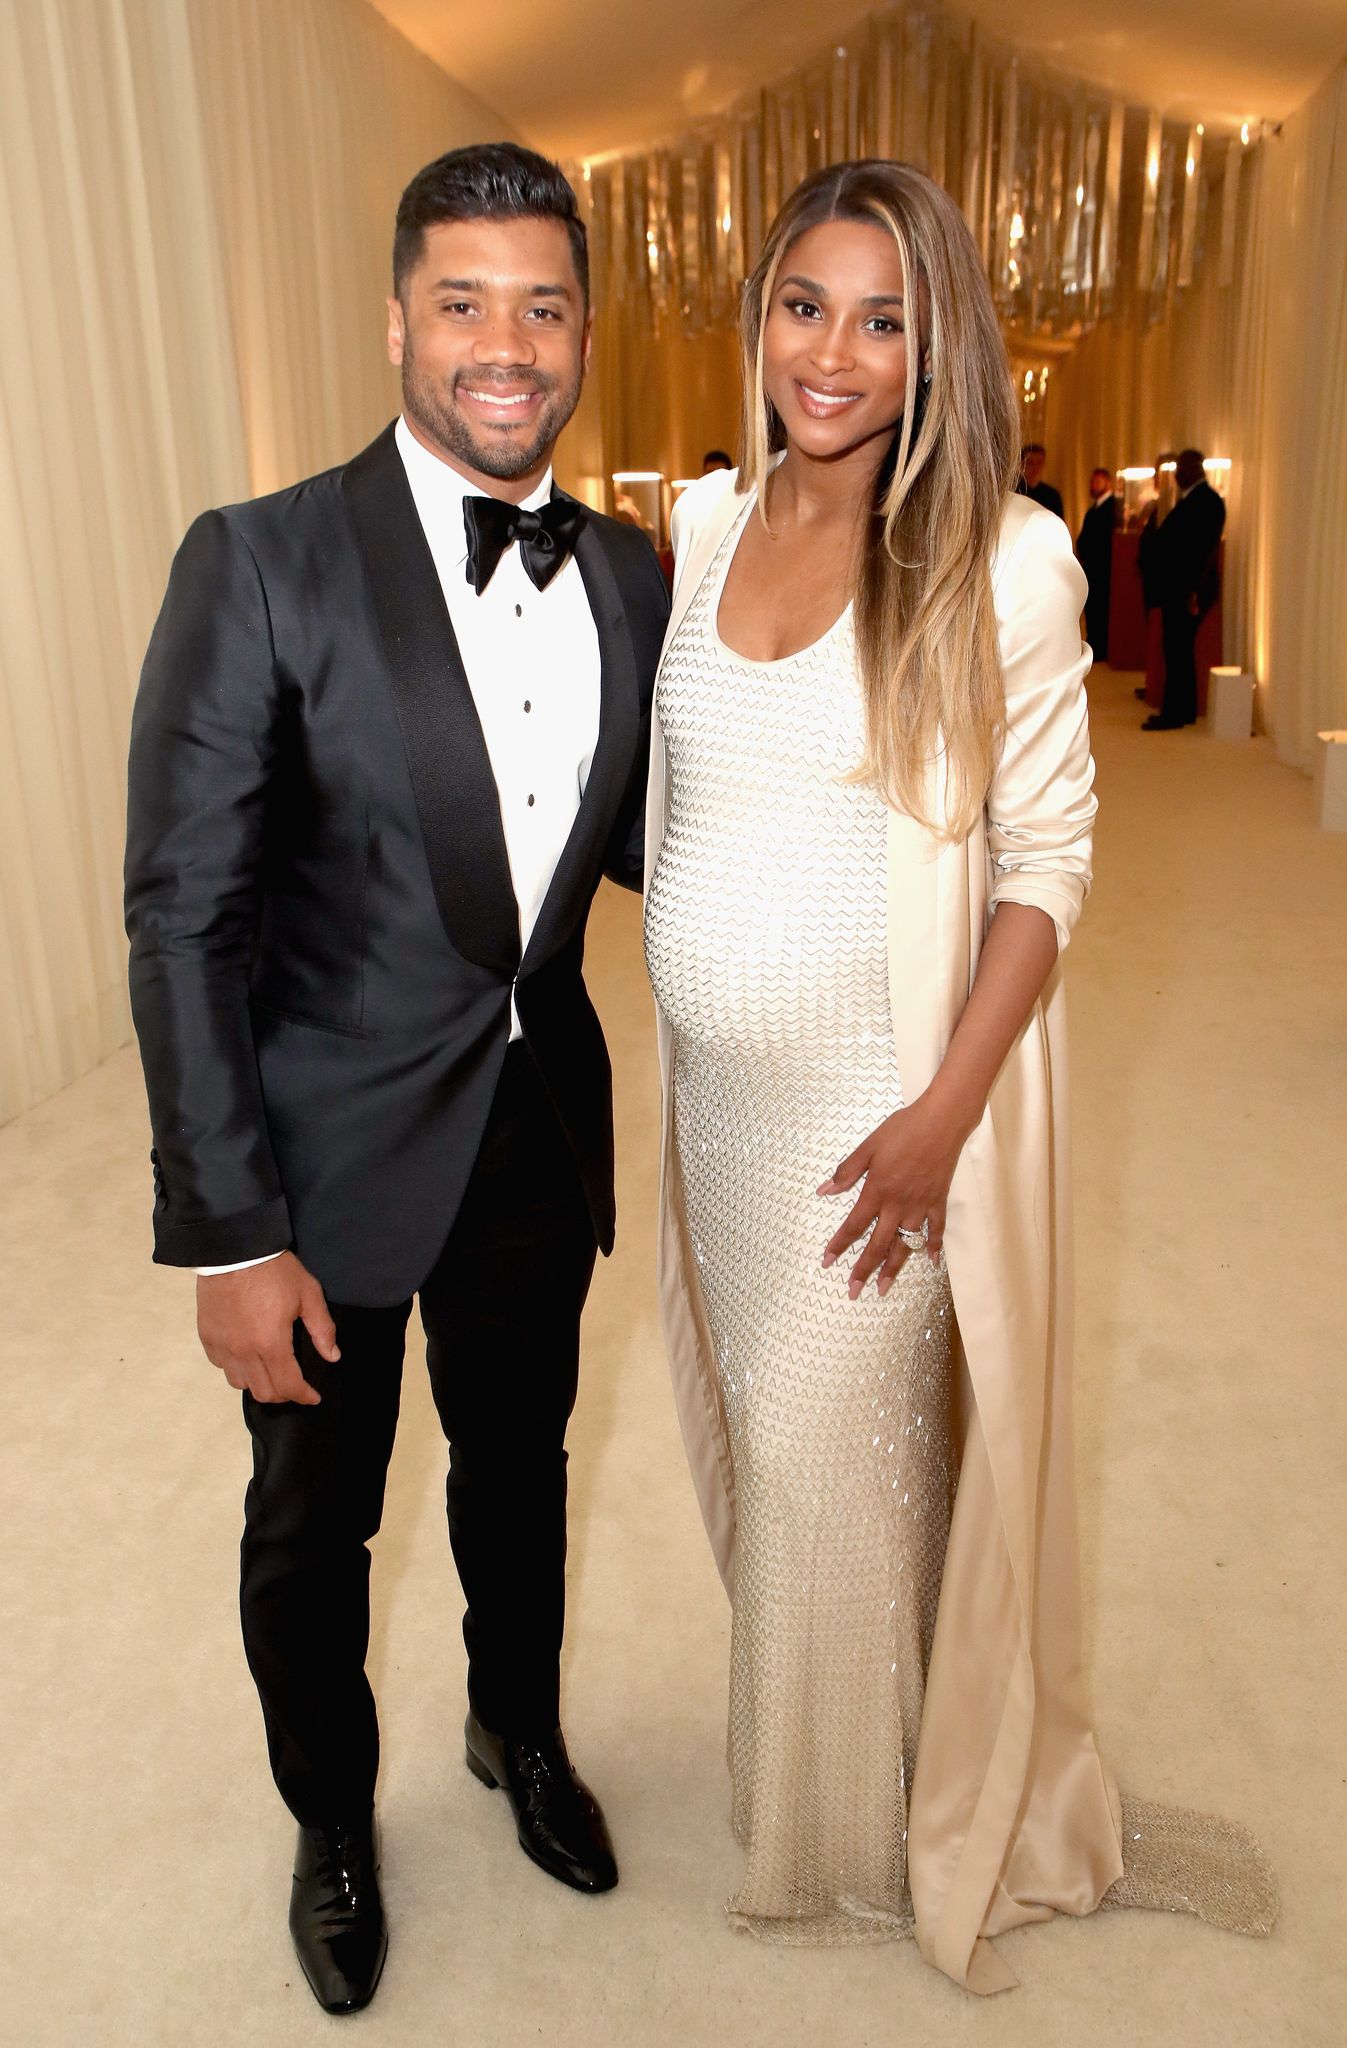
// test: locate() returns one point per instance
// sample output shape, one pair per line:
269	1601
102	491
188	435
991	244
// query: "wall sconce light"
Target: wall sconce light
638	497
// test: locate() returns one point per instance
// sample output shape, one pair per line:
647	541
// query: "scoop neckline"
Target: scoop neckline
723	646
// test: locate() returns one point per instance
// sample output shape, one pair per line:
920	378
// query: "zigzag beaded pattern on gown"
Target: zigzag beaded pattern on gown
765	935
766	943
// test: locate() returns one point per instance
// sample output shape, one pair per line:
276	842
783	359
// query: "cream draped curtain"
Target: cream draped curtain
196	205
1254	368
1289	422
119	419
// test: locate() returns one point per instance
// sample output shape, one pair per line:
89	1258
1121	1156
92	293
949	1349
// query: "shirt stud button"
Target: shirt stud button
527	705
530	803
519	611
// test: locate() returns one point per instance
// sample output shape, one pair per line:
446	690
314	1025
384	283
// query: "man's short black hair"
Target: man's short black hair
486	181
716	458
1032	448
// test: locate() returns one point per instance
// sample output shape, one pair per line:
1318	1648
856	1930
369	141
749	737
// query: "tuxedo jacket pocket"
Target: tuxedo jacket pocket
283	1014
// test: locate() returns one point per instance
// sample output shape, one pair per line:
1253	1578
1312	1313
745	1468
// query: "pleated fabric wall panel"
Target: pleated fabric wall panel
196	209
119	419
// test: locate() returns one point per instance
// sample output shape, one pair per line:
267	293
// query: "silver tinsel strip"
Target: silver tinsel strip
1078	203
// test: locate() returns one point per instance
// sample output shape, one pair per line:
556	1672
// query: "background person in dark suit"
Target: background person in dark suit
1182	562
392	727
1033	461
1094	552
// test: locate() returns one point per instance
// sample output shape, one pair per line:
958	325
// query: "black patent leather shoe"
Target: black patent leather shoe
337	1915
557	1817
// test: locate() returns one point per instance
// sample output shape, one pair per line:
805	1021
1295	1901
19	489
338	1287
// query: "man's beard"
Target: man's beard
443	423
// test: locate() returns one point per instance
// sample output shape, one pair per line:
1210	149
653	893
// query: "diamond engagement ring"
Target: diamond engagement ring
915	1240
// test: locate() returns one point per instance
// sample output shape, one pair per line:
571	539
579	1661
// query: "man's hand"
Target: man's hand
246	1325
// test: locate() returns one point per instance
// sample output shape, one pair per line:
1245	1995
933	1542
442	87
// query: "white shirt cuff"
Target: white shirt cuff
205	1272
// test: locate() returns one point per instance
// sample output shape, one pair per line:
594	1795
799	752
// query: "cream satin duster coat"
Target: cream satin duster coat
1013	1814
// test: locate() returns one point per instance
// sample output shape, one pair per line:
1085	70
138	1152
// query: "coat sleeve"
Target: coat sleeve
203	738
1041	804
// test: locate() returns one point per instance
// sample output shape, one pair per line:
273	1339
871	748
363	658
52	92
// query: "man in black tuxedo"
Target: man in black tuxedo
1182	568
392	727
1033	462
1094	552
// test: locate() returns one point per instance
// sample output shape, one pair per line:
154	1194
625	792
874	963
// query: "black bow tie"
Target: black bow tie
546	537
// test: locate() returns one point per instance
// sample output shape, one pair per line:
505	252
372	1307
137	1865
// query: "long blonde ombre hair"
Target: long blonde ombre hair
925	628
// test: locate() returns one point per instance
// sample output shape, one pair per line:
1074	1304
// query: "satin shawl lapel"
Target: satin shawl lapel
450	769
571	886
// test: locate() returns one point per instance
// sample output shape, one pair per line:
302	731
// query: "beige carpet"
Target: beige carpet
146	1854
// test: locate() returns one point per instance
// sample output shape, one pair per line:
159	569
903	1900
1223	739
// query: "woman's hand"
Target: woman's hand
908	1163
906	1167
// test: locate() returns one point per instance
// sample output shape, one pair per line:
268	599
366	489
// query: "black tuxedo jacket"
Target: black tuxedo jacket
324	935
1182	555
1043	494
1094	542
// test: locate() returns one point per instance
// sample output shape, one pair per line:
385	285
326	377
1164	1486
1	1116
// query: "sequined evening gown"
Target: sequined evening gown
767	947
765	937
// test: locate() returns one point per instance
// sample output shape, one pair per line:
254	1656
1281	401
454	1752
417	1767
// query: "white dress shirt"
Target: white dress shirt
533	666
532	661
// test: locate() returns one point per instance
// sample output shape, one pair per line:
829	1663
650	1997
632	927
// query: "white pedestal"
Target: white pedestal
1330	781
1230	704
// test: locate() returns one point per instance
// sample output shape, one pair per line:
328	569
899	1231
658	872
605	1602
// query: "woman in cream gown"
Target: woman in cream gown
856	1053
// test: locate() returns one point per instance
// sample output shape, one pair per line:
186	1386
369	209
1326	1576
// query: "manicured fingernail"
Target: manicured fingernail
829	1259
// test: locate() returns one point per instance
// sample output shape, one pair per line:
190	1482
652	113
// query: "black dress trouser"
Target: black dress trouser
1180	637
501	1311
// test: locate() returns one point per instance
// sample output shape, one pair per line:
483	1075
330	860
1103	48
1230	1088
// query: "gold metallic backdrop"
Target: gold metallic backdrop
1074	197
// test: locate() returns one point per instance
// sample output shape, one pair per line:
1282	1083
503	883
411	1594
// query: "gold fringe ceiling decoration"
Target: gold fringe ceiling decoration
1081	205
